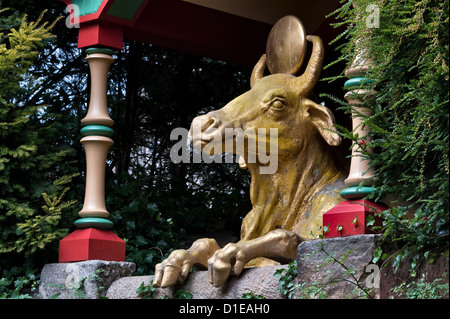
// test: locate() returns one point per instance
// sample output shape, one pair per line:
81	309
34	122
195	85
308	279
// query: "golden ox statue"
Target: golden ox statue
287	206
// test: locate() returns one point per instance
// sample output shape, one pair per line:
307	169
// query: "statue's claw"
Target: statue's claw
225	261
174	269
277	244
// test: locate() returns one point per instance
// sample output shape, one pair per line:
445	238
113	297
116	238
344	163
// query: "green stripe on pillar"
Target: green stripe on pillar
359	81
99	50
357	192
94	222
94	129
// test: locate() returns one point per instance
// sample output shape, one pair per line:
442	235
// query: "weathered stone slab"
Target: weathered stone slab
329	268
259	281
341	265
86	279
338	267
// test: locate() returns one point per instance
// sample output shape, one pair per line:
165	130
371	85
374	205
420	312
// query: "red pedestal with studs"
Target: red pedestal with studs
96	34
90	244
350	218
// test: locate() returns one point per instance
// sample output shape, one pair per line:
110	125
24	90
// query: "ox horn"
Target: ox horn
306	82
258	70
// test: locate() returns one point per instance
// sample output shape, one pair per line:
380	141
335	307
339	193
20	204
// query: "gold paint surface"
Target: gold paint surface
286	46
287	204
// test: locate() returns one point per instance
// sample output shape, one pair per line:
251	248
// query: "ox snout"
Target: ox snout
207	129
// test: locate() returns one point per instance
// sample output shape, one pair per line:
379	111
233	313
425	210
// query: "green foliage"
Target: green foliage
286	283
30	204
12	284
251	295
182	294
37	231
147	291
378	254
33	235
289	286
423	289
409	55
149	234
18	141
77	288
18	49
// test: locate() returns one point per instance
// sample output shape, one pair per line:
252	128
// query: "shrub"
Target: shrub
409	51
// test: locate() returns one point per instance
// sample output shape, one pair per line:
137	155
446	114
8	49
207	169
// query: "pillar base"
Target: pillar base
83	279
350	218
91	244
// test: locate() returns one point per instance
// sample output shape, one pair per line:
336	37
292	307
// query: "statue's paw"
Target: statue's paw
225	261
174	269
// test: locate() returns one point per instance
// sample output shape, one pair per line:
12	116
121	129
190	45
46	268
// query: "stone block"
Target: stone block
86	279
338	267
332	268
259	281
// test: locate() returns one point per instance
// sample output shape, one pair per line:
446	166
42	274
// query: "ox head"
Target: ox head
276	101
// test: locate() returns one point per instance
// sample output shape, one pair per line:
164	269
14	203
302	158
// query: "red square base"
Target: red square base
350	218
91	244
96	34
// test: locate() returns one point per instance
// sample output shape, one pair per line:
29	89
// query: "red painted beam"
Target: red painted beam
183	26
199	30
178	25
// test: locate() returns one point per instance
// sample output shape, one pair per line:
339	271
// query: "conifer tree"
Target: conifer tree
25	225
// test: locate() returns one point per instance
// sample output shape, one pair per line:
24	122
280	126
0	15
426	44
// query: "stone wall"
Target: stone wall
330	268
86	279
259	281
338	267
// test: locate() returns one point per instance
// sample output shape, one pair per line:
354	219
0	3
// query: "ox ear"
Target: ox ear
258	70
323	119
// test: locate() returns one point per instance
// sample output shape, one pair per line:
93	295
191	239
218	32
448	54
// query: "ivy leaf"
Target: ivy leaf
377	254
370	220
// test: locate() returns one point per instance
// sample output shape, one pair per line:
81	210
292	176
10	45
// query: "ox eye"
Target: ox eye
278	104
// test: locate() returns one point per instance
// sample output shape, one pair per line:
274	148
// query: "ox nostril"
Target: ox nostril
201	128
208	124
206	127
211	125
210	133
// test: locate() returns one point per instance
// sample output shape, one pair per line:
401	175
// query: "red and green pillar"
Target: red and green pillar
94	238
357	215
100	24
